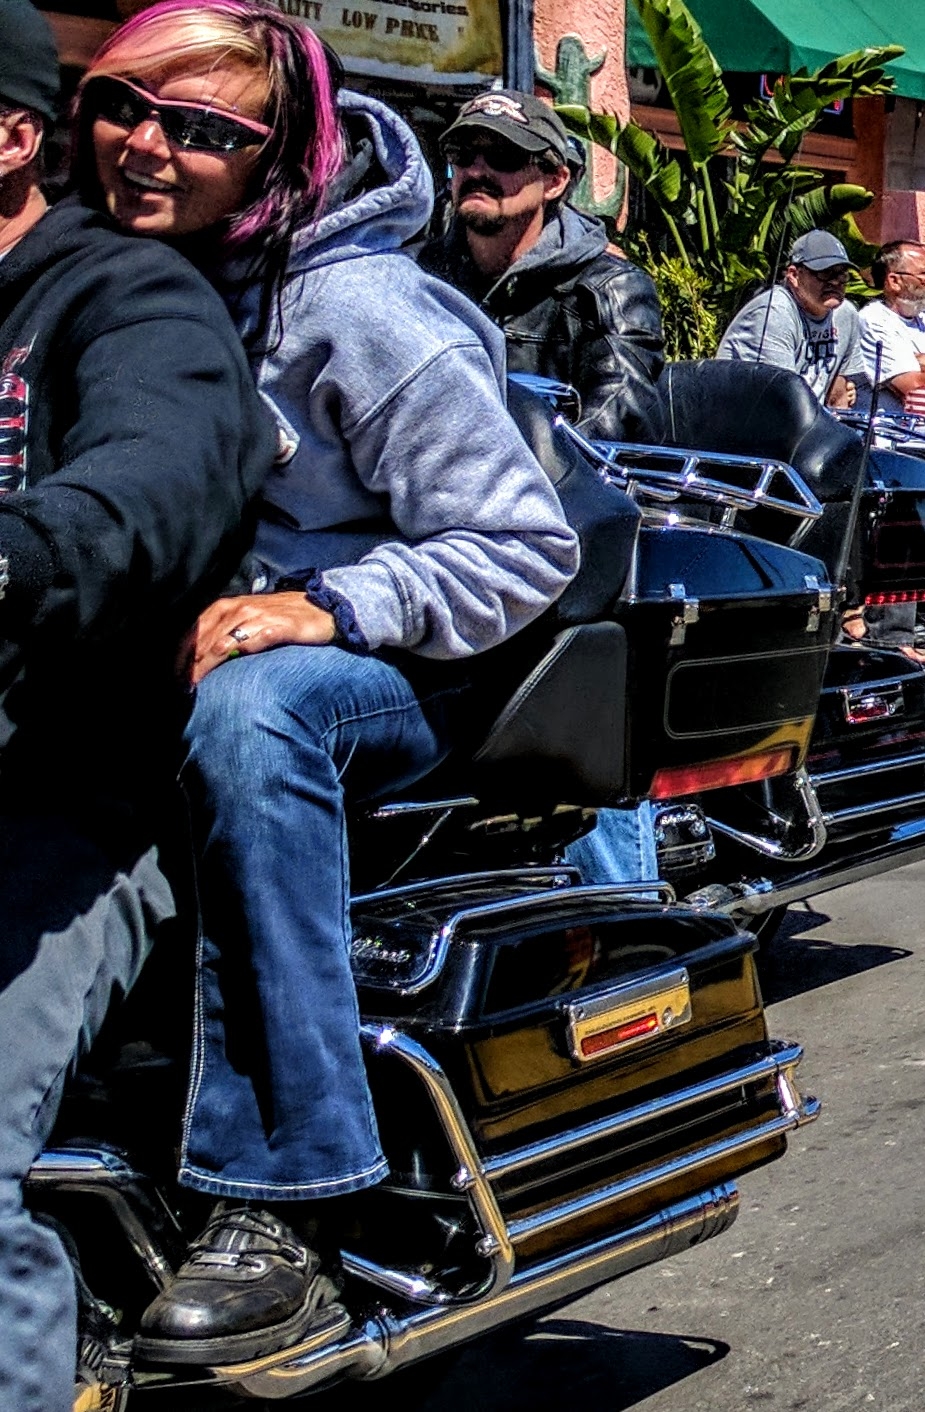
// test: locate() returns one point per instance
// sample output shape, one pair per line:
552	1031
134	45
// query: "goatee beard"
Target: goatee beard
483	225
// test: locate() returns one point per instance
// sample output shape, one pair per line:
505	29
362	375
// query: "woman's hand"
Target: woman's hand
233	627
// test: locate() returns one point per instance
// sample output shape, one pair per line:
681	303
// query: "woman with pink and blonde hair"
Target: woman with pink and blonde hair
405	529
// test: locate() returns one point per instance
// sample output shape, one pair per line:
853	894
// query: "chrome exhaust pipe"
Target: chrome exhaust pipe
392	1341
904	844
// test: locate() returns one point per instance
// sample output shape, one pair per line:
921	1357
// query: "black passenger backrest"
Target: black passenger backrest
603	517
754	409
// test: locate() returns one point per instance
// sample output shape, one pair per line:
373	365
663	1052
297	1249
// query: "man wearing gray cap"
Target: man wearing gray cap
131	442
570	309
805	323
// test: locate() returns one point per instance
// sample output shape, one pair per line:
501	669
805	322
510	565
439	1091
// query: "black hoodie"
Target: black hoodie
131	444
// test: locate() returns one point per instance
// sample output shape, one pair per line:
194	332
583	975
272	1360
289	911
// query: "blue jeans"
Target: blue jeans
619	849
279	1107
76	928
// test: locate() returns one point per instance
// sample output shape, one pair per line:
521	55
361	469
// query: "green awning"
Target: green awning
782	36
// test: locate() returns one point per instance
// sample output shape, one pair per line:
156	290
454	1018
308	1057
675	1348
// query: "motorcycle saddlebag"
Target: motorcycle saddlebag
591	1043
728	638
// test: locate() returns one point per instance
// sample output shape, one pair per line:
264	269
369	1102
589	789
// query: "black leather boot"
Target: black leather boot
248	1287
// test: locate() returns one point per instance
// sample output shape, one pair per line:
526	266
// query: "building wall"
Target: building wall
903	201
599	28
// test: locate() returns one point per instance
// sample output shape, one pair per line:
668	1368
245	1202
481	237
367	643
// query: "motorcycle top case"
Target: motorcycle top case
728	638
892	525
555	1010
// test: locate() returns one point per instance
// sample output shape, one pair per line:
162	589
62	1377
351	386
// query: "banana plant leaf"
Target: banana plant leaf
754	201
818	210
645	155
692	77
798	101
860	251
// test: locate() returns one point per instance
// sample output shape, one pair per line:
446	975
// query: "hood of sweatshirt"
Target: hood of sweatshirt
568	242
362	220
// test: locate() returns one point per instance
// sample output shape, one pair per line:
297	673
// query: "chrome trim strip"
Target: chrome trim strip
571	897
125	1191
905	844
786	1056
541	1221
388	811
872	767
564	871
392	1341
879	806
910	677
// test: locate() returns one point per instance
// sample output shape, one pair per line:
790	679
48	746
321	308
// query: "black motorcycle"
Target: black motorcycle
568	1079
854	805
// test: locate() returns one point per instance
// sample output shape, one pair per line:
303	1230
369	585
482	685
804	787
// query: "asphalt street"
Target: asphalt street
815	1299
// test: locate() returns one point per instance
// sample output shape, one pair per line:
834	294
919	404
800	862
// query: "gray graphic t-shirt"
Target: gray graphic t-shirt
772	328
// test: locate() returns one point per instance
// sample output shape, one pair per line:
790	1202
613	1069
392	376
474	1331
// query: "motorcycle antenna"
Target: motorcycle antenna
779	257
855	507
775	272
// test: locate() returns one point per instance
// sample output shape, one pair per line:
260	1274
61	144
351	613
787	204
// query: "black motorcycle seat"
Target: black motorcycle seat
757	409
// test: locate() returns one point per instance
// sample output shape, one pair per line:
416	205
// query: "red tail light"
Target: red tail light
718	774
902	595
618	1034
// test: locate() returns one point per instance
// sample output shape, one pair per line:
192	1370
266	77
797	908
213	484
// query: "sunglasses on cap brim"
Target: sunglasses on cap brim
196	126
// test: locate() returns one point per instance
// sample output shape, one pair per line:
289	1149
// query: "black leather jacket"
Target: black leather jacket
572	311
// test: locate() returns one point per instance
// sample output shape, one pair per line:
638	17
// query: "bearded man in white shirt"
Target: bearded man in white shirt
896	323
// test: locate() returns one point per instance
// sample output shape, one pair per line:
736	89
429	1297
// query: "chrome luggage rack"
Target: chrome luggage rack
666	475
893	431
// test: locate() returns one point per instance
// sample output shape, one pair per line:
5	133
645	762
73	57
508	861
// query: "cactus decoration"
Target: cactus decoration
571	83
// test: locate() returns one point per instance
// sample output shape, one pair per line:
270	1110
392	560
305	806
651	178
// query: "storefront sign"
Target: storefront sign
428	41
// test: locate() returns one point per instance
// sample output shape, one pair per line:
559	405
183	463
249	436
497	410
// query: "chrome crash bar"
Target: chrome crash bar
496	1240
430	1319
816	827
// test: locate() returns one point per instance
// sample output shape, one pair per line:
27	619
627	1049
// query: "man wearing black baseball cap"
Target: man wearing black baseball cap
805	323
28	61
131	440
569	307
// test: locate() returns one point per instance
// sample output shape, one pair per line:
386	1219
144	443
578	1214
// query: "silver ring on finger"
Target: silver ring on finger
239	634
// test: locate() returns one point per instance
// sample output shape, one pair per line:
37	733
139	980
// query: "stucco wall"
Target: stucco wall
601	26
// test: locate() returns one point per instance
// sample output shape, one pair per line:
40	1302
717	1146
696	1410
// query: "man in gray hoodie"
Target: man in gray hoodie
569	308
